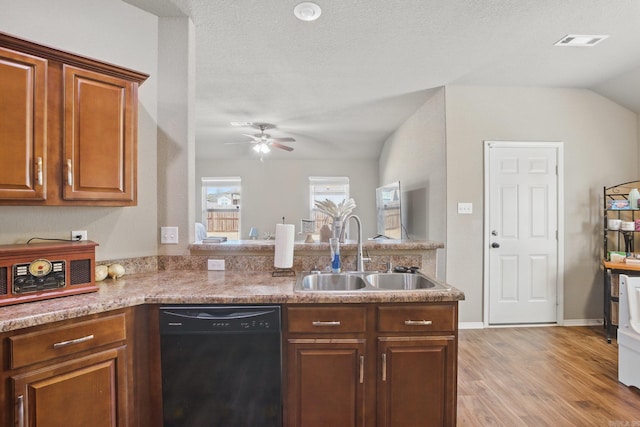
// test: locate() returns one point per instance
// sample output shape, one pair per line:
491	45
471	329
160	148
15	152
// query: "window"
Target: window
322	188
221	206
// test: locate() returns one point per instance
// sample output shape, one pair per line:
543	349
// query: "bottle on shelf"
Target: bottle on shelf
634	195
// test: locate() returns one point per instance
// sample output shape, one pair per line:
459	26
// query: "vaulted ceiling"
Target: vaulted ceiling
342	84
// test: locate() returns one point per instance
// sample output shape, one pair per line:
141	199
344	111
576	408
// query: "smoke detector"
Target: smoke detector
307	11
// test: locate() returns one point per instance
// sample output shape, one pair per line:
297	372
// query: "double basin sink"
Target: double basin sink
367	281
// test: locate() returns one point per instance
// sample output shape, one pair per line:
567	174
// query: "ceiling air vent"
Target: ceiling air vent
576	40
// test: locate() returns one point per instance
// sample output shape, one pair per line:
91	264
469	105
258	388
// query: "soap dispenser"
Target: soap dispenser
634	195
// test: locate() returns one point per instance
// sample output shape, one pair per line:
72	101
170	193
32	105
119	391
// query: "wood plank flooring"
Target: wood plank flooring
542	376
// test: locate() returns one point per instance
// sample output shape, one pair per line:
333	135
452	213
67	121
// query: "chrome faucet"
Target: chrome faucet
359	257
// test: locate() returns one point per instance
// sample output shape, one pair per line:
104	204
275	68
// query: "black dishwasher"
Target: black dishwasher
221	365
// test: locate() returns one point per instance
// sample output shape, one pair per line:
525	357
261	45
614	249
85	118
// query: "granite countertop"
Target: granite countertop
196	287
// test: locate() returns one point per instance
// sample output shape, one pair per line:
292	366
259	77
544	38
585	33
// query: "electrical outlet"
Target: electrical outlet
215	264
169	235
465	208
79	235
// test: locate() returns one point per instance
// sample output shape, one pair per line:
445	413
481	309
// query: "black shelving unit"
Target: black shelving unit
617	241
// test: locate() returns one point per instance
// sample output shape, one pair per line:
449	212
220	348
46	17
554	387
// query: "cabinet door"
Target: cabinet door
99	136
89	391
22	126
417	381
325	382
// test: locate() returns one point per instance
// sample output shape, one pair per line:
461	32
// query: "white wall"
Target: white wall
600	149
416	155
276	188
114	32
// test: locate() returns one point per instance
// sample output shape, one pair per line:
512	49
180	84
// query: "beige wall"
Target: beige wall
600	149
121	34
176	131
415	154
276	188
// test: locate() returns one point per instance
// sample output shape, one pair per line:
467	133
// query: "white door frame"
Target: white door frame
559	146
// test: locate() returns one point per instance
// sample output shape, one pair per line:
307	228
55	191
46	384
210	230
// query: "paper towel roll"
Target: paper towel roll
283	257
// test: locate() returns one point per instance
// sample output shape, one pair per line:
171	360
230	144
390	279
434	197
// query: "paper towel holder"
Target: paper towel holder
283	272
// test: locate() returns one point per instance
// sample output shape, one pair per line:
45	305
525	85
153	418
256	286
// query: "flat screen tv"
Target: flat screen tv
389	211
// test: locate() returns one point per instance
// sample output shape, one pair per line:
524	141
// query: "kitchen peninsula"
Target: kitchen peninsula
123	352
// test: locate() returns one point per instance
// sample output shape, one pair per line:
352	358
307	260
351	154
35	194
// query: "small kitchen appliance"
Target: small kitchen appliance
38	271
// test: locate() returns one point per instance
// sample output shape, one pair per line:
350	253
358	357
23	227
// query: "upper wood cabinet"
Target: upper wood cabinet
23	122
68	128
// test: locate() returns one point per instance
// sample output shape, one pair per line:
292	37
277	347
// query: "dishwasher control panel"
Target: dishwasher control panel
219	319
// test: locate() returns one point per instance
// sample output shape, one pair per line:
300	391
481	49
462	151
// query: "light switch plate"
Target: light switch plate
169	235
465	208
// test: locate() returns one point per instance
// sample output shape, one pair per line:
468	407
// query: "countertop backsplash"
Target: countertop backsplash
248	256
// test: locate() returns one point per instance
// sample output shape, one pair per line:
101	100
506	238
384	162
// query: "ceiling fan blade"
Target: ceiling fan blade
282	140
240	142
255	138
283	147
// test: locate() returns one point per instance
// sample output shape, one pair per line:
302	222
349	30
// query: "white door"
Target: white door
521	236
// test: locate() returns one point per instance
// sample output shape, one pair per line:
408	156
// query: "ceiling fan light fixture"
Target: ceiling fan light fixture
307	11
261	148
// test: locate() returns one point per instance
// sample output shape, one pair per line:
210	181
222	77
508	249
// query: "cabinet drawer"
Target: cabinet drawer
416	318
34	347
326	319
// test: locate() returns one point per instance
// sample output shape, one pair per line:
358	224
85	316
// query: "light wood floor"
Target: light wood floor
545	376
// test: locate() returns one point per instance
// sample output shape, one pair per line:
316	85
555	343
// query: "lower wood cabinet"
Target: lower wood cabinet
326	381
389	365
416	381
82	392
71	373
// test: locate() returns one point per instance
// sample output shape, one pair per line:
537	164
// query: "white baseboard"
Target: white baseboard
566	322
470	325
582	322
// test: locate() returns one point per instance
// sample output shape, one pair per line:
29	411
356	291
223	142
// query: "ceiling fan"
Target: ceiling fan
263	141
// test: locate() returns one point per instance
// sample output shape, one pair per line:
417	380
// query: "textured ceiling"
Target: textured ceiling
342	84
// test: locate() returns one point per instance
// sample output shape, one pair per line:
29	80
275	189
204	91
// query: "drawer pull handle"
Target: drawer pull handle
39	170
69	173
321	323
74	341
384	366
20	404
417	322
361	369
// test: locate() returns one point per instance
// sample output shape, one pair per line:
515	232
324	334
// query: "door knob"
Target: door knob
495	245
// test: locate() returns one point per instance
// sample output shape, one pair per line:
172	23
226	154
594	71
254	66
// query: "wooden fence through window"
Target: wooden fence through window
223	221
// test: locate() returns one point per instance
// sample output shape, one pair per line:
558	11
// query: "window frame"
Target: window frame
221	182
335	195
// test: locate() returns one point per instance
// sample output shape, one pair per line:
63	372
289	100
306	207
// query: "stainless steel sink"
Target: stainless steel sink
330	282
402	281
368	281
